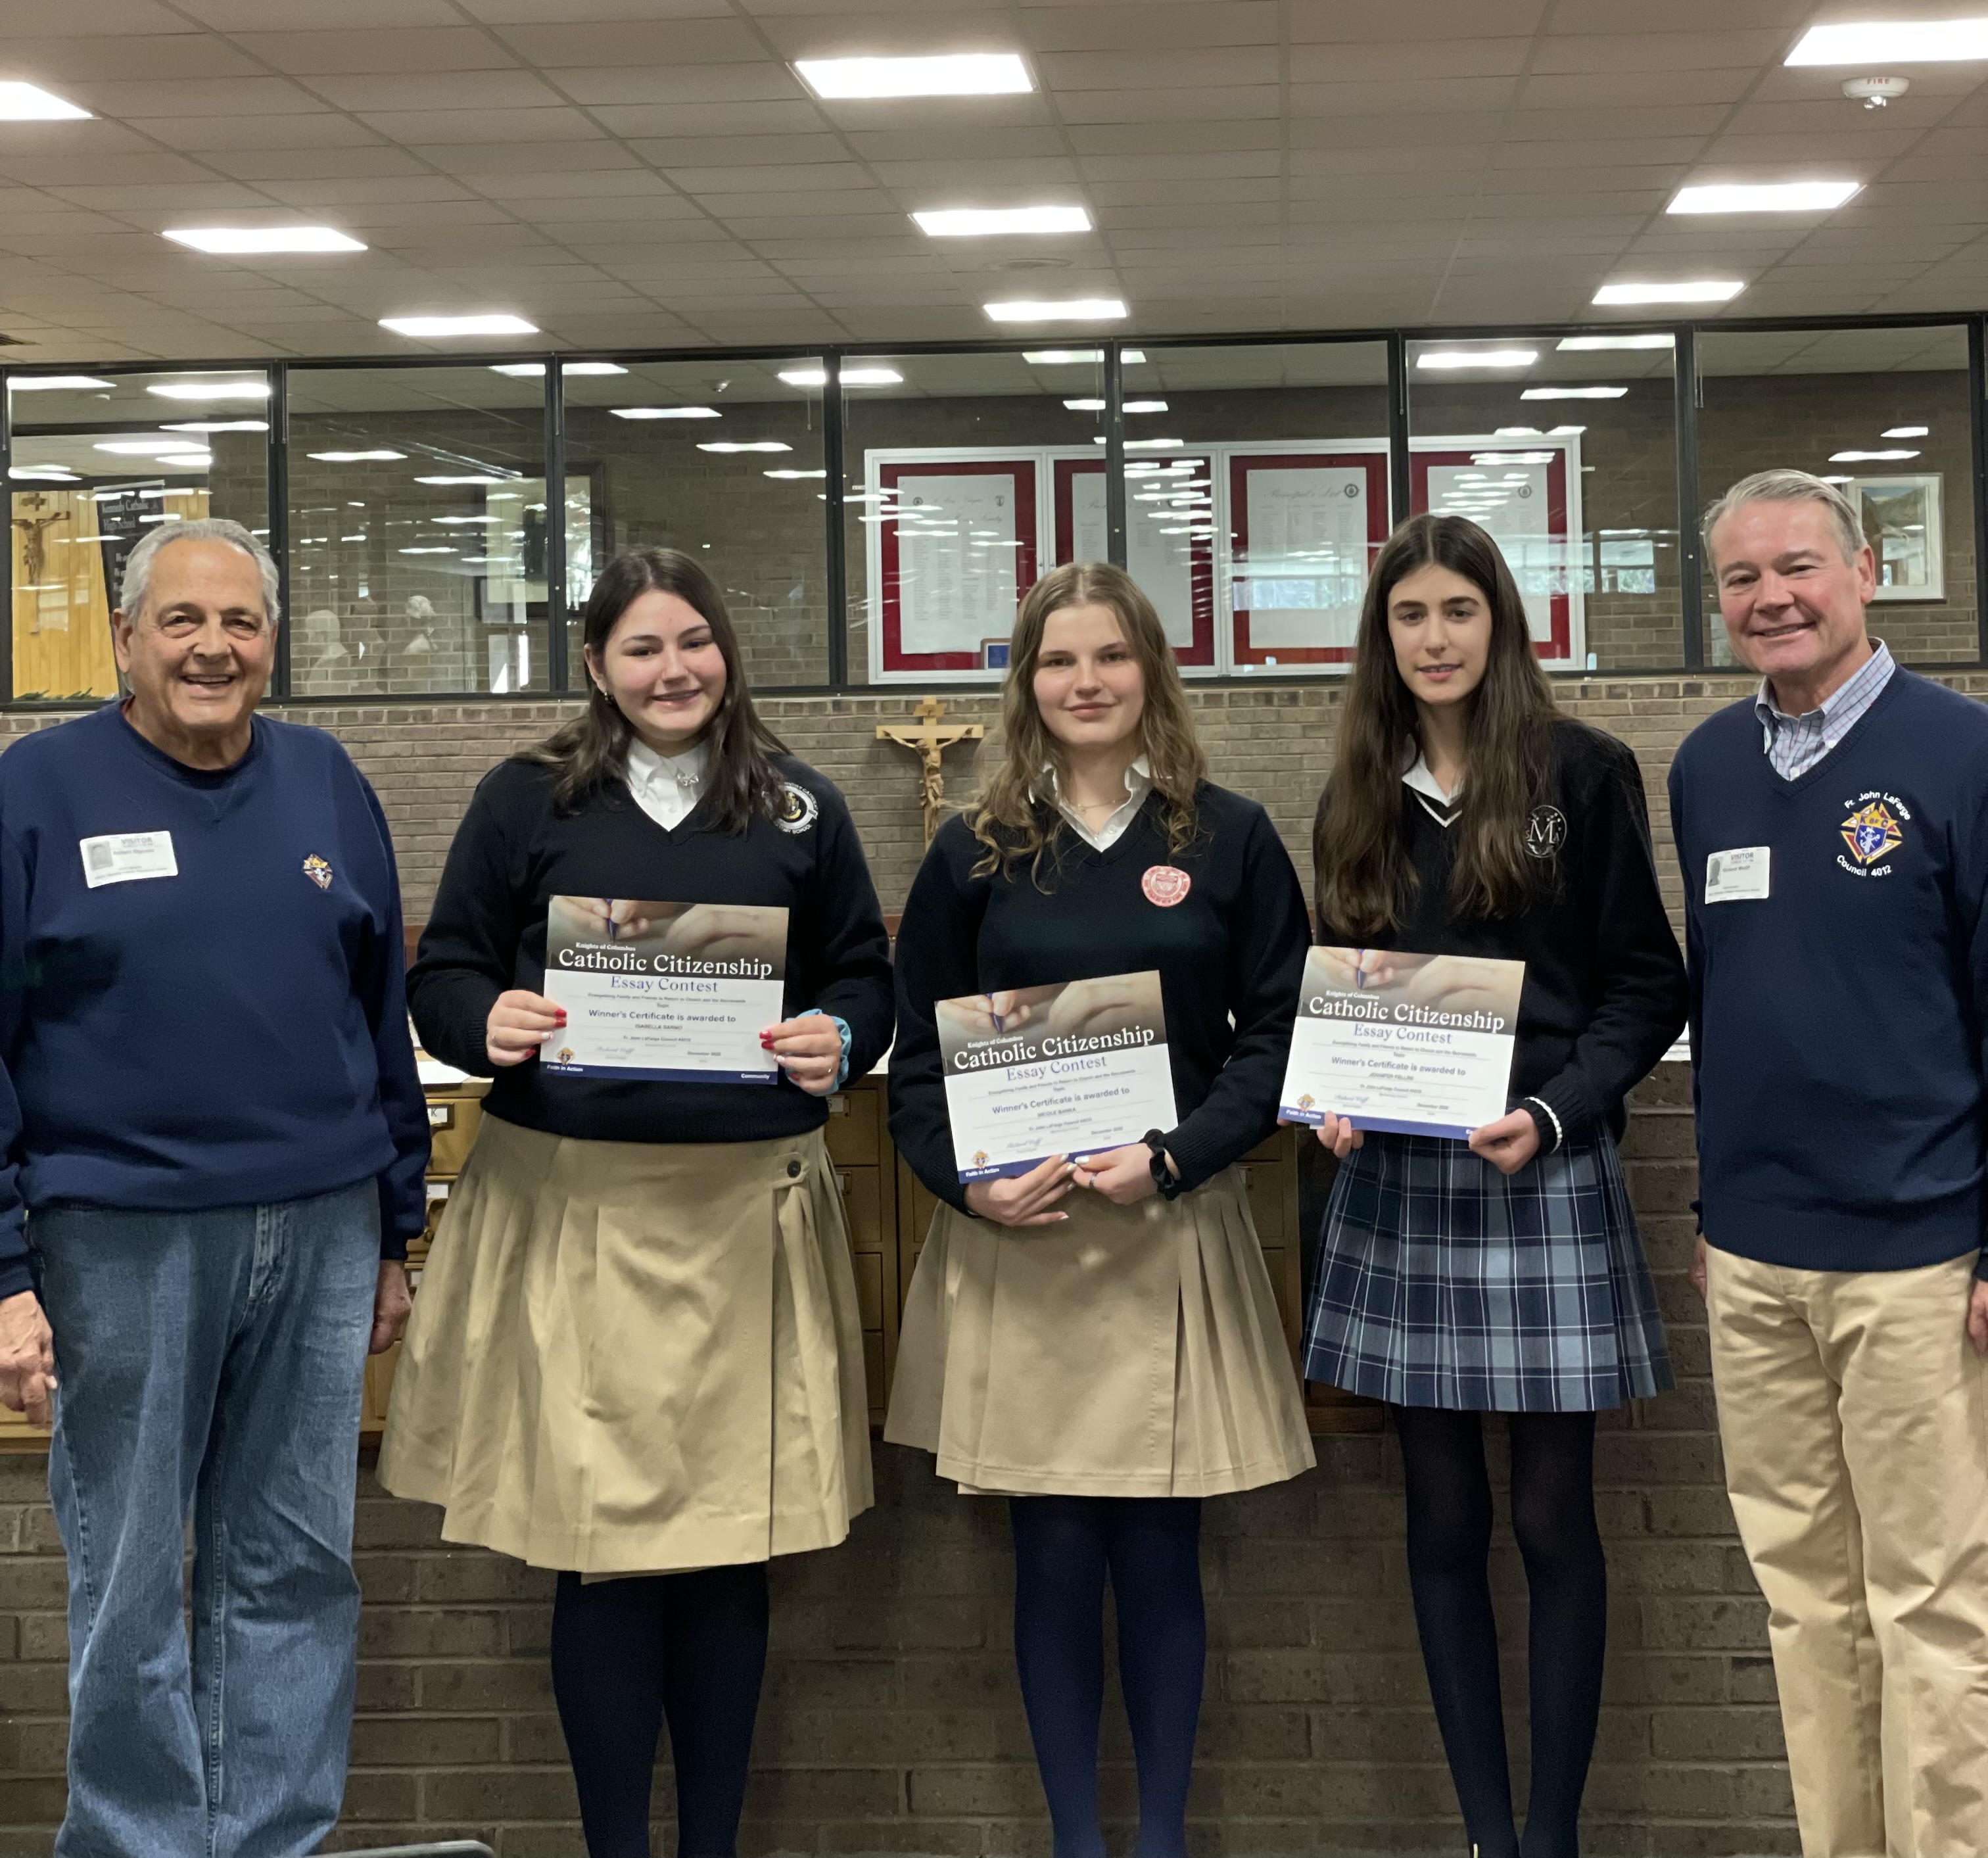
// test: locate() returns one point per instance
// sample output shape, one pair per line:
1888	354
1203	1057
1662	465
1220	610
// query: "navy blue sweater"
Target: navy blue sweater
1837	1024
233	1035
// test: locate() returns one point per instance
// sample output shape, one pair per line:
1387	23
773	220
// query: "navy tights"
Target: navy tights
1151	1548
627	1654
1449	1542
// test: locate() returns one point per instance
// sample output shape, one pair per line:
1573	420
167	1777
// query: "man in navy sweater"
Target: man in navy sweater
1833	832
212	1146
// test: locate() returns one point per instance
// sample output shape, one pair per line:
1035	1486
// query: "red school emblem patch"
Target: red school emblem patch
1165	885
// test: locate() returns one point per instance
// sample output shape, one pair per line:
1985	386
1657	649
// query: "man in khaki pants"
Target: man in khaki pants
1833	831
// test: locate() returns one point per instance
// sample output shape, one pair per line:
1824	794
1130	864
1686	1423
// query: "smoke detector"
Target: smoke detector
1875	92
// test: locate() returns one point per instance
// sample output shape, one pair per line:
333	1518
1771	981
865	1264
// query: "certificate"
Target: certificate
673	993
1073	1069
1420	1044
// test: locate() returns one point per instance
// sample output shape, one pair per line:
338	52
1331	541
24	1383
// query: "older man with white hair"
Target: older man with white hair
212	1146
1834	834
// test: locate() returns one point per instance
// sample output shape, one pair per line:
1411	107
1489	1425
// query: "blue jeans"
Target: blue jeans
210	1364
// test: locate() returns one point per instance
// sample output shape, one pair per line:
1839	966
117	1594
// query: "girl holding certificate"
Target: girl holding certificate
1467	820
636	1354
1096	1338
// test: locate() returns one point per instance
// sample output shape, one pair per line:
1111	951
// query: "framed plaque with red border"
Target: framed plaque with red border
1170	552
1303	528
956	547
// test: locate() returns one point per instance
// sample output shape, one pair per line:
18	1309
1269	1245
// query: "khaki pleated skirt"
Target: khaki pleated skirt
1132	1352
629	1358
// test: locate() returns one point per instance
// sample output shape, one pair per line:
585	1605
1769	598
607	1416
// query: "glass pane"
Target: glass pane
722	459
1883	412
967	477
418	530
1564	448
97	460
1256	495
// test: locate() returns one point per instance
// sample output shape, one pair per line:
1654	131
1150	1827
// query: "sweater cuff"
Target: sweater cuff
1553	1134
1566	1099
1981	1269
15	1277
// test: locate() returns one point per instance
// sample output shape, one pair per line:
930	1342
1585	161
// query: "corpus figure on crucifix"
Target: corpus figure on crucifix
929	742
34	556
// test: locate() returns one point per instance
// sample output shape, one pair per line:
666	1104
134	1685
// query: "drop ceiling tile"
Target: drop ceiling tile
432	128
1608	125
1144	28
787	177
741	122
1159	70
1440	96
417	48
648	41
1632	16
1408	60
1576	155
1217	104
967	114
1220	165
1858	155
1160	192
1832	119
90	18
636	188
1114	220
1425	21
474	160
983	144
1753	51
371	199
854	30
74	177
1633	88
1454	129
700	86
504	89
310	164
300	131
70	141
690	154
545	12
1171	138
1038	181
755	220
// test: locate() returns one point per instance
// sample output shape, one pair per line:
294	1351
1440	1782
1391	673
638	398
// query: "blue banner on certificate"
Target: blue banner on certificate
1420	1044
670	993
1073	1069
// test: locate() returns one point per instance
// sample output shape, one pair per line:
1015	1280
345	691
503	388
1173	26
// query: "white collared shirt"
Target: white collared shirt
666	787
1138	784
1795	744
1440	807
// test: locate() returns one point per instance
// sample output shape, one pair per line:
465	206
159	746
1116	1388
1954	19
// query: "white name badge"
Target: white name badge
1738	876
121	858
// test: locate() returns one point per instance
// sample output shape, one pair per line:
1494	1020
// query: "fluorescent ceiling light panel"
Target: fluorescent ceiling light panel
142	447
496	324
1515	432
749	445
1893	42
851	376
1870	458
993	222
239	242
1085	406
21	103
665	412
358	458
1579	344
1904	432
48	384
1477	357
530	370
217	425
1513	458
1146	445
1574	393
1696	290
428	551
211	390
955	74
1071	357
462	480
1770	197
791	476
1074	309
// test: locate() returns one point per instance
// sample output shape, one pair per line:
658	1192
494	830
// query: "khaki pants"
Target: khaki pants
1854	1417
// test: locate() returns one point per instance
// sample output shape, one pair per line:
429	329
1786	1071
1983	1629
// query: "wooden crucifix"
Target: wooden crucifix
34	557
929	742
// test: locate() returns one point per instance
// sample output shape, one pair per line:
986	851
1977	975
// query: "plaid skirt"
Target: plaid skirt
1442	1282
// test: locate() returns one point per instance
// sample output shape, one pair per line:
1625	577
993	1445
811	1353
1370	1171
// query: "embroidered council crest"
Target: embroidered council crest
1871	831
798	809
318	872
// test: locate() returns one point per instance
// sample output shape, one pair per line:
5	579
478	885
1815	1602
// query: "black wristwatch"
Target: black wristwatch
1164	1177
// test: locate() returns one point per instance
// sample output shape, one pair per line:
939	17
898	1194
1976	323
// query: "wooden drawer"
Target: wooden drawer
855	1126
452	1124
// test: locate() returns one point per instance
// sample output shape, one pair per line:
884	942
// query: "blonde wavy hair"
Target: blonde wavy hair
1016	817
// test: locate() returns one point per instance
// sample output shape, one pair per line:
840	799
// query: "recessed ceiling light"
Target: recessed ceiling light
428	551
989	222
1893	42
1696	290
463	480
796	475
358	458
492	325
1515	432
1771	197
665	412
1904	432
1072	310
217	425
1870	458
448	521
1513	458
1839	480
524	371
1574	345
1146	445
143	447
1069	358
235	242
46	383
1477	357
851	376
956	74
211	390
1085	406
749	445
21	103
1574	393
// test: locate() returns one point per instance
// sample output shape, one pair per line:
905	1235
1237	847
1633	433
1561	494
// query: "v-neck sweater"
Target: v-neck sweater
1229	951
515	850
1838	1022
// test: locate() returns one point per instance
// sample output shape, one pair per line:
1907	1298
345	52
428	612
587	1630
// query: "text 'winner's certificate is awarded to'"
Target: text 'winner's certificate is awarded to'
672	992
1074	1069
1420	1044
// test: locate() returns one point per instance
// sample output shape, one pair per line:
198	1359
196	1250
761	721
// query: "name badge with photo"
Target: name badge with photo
123	857
1737	876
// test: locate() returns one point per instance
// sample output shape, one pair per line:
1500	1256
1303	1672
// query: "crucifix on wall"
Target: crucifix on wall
929	742
34	557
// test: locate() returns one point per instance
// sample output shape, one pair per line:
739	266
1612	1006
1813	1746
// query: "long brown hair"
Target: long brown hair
740	780
1014	818
1364	878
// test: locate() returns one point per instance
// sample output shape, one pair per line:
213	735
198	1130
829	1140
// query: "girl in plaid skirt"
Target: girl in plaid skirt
1467	823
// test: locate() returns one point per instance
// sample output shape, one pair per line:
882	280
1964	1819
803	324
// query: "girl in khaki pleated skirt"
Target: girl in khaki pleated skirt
1096	1337
636	1356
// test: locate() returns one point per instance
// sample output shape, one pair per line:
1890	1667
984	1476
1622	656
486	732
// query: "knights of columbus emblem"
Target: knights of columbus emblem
318	872
1871	831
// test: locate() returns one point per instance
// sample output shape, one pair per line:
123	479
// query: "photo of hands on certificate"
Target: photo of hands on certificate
1420	1044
